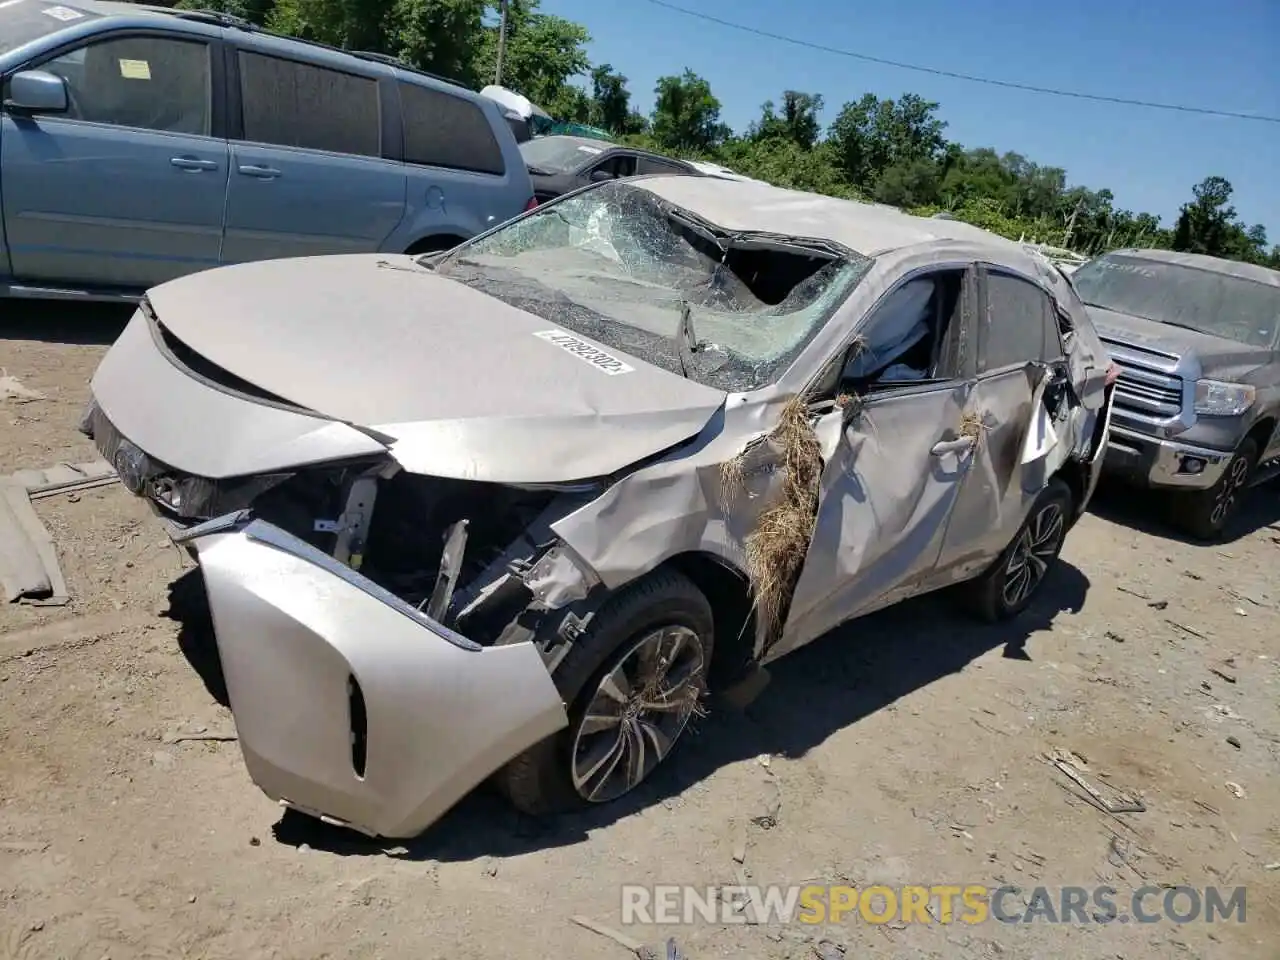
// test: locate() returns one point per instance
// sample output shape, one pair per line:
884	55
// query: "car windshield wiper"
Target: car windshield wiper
538	171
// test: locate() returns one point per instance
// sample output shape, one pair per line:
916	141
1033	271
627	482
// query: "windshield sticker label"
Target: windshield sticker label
584	351
65	14
135	69
591	150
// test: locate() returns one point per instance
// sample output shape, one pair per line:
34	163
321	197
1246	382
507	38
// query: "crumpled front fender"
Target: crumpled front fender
350	704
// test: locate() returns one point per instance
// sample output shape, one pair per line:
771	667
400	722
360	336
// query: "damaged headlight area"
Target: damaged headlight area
180	496
479	558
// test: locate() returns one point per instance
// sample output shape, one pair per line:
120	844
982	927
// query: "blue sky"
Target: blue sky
1224	55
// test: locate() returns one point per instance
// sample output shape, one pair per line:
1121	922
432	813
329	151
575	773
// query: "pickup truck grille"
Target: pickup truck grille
1144	388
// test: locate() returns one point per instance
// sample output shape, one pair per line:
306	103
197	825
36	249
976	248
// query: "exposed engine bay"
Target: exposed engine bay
479	558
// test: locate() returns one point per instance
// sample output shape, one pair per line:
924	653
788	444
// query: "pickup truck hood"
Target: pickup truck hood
466	385
1219	357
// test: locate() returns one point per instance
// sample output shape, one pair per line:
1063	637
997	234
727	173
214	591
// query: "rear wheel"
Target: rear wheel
632	681
1205	513
1011	583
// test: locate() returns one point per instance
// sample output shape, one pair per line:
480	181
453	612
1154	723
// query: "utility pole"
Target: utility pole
502	44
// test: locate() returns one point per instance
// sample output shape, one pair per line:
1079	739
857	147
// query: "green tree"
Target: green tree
543	52
1205	225
611	102
870	135
797	121
686	115
441	36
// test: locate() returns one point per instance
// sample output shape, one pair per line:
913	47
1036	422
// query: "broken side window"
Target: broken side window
903	339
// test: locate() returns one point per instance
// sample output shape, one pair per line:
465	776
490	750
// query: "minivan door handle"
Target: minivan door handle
256	170
192	164
958	445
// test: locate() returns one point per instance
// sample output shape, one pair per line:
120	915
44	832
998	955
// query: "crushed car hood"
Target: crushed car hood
466	385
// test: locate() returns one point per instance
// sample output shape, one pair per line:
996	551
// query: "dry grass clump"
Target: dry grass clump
776	549
972	425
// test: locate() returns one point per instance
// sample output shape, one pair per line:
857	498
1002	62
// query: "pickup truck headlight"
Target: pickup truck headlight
1215	398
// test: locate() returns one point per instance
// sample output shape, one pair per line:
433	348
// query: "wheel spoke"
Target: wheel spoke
602	766
635	753
639	710
594	723
616	686
657	737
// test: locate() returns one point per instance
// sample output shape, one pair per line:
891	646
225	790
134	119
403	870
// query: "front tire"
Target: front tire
1011	583
1206	513
632	681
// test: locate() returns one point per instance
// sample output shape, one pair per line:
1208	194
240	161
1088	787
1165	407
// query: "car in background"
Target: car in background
139	144
1197	408
560	164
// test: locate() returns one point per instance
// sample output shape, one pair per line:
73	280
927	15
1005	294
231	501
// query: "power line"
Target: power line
1009	84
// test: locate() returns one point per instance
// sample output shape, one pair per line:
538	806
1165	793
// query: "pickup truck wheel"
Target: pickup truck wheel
1011	583
1205	513
632	682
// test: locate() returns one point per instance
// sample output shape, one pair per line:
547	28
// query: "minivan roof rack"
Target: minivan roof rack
216	17
395	61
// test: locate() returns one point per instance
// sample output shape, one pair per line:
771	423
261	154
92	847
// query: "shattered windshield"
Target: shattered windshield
22	21
617	264
560	154
1215	303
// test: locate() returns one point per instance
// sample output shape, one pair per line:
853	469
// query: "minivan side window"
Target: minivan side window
148	83
293	104
442	130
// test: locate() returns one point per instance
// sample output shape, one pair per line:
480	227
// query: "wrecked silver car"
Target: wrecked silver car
509	510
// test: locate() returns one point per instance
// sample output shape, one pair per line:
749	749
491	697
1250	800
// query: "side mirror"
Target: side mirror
36	91
599	176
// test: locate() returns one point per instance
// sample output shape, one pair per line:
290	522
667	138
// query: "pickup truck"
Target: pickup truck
1197	403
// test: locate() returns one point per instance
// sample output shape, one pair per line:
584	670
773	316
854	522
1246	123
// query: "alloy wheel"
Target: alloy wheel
1225	501
1036	548
638	711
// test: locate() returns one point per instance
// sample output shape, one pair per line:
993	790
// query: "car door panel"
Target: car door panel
886	495
286	202
308	176
992	501
1022	442
98	196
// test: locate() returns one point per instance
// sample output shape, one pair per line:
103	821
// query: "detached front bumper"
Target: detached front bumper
351	705
1163	463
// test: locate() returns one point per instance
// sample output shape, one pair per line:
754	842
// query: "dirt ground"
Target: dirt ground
907	748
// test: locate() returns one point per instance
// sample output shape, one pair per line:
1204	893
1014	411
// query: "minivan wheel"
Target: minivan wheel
1011	583
1205	513
632	681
